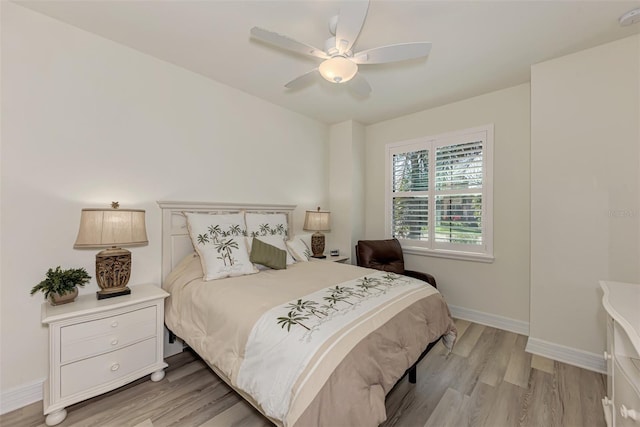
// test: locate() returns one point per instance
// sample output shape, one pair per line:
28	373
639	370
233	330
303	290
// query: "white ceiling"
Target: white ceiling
478	46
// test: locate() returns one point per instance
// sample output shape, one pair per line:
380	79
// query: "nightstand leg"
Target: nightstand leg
56	417
157	375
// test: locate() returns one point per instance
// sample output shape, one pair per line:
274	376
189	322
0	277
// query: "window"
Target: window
439	194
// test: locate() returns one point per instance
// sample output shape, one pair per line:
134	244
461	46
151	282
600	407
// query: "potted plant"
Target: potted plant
60	286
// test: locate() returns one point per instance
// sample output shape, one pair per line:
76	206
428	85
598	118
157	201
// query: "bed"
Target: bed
317	343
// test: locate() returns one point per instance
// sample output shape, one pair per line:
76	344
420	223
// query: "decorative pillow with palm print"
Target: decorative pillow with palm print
220	242
272	228
298	249
274	224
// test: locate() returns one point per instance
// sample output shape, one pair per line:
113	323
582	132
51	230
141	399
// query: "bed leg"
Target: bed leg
172	337
412	374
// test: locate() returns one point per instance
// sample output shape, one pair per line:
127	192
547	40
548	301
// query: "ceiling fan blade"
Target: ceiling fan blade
360	86
303	80
285	42
350	22
392	53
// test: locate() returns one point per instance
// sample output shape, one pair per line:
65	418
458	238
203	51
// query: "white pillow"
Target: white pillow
306	239
278	242
298	249
220	242
273	224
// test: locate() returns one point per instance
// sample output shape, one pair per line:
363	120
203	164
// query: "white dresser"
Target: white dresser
98	345
622	403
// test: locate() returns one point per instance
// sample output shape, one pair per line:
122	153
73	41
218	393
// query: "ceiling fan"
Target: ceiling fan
340	63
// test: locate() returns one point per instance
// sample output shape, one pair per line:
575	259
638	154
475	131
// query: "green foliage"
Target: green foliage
61	282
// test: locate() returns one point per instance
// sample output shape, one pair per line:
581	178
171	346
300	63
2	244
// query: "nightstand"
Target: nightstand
621	405
98	345
338	258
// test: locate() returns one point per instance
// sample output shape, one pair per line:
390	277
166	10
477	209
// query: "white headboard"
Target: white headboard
176	243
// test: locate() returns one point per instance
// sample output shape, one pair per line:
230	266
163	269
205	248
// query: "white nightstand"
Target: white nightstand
98	345
338	258
622	403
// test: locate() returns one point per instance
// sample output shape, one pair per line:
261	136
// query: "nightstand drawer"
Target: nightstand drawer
111	333
100	370
624	346
626	394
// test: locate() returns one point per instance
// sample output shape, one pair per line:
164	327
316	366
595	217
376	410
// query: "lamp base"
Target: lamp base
113	268
317	245
110	293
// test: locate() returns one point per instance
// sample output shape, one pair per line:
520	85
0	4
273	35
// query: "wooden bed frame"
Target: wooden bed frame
176	243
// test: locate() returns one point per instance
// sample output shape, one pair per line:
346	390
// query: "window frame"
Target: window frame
480	253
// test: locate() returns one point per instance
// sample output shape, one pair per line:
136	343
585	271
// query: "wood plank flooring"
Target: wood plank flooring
488	380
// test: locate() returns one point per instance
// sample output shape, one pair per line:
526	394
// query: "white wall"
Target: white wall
346	186
87	121
585	189
500	289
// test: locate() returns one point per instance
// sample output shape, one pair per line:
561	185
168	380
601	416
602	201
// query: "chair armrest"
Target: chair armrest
422	276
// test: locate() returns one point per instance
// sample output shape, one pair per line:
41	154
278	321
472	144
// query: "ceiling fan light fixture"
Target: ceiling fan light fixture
338	69
630	17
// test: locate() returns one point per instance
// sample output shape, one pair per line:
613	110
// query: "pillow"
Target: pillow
273	224
306	239
298	249
277	241
300	246
268	255
219	240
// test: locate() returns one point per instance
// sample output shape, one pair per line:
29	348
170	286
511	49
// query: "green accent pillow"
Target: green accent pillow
268	255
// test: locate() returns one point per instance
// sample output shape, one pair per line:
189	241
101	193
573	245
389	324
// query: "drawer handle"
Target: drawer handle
607	355
606	401
114	341
628	413
114	324
115	367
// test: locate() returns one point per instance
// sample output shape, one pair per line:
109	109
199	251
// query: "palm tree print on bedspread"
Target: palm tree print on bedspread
310	314
223	245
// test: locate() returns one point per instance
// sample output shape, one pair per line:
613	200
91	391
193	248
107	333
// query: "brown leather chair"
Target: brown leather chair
386	255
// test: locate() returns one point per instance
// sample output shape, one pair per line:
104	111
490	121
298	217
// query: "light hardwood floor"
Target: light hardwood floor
488	380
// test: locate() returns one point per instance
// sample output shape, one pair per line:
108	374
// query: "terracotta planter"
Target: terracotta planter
56	299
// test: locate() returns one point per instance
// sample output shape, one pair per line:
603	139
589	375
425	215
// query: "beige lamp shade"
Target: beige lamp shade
100	228
316	221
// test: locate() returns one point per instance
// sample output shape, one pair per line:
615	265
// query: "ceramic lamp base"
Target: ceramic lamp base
317	245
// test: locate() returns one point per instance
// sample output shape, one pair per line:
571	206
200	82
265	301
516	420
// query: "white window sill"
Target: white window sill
464	256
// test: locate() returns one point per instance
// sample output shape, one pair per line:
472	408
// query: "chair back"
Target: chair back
385	255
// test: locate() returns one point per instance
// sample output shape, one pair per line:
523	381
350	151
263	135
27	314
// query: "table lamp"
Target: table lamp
317	221
112	228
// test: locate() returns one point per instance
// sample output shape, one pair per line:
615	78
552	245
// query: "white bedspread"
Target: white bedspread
285	338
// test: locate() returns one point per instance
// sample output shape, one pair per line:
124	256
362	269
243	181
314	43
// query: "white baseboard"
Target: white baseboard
572	356
18	397
493	320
